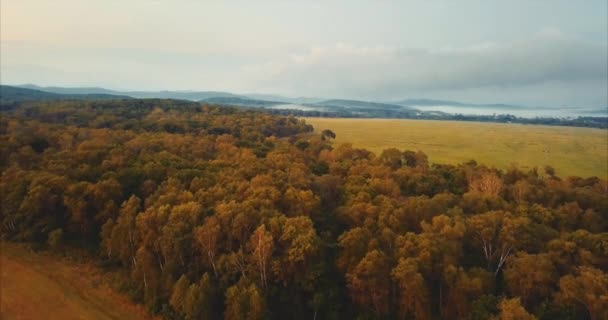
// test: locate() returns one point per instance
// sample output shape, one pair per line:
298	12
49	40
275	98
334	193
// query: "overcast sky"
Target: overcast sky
539	53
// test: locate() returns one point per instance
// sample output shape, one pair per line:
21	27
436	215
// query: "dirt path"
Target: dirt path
39	286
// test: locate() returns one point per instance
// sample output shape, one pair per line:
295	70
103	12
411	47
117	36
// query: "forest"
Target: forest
213	212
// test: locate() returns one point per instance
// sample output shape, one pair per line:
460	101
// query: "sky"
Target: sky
529	52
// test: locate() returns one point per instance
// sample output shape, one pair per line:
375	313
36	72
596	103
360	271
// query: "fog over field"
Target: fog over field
520	112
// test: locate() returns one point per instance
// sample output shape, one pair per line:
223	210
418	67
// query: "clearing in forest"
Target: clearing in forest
571	151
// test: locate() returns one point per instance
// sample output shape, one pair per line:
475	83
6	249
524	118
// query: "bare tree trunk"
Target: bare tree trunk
503	257
145	281
441	299
211	258
160	262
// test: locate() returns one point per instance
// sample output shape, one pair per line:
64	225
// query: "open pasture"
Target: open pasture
571	151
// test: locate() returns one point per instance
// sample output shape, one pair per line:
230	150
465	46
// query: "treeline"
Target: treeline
588	122
213	212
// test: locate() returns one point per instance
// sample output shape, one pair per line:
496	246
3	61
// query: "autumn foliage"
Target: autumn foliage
213	212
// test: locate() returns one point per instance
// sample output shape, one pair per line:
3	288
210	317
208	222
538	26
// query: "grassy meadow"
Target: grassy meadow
571	151
41	286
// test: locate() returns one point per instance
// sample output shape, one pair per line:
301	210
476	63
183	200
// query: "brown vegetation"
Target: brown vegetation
211	212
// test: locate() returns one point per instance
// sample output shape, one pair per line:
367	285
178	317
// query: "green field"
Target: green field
40	286
571	151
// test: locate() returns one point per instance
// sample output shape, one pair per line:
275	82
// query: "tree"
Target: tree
176	238
589	288
439	250
463	287
257	212
520	191
180	290
488	184
327	134
569	215
200	300
105	195
81	213
261	244
511	309
42	209
299	202
147	273
55	238
123	239
530	276
483	308
391	158
207	236
413	293
149	226
498	232
106	245
577	249
244	302
299	242
369	283
354	244
550	171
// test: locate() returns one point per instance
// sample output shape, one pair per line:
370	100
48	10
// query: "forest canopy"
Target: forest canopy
215	212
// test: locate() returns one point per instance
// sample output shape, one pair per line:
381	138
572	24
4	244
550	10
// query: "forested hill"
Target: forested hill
213	212
164	94
316	107
11	97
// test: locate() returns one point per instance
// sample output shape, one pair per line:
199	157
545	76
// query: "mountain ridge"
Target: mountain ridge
11	96
360	107
162	94
197	95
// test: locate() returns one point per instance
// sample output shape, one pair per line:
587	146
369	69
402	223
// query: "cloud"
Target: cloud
347	70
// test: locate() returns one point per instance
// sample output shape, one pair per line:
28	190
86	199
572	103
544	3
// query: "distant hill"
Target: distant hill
407	108
191	95
272	97
432	103
243	102
254	99
11	96
180	95
359	104
336	107
595	111
64	90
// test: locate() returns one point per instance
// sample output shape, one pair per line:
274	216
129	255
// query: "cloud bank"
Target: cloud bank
547	59
468	50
